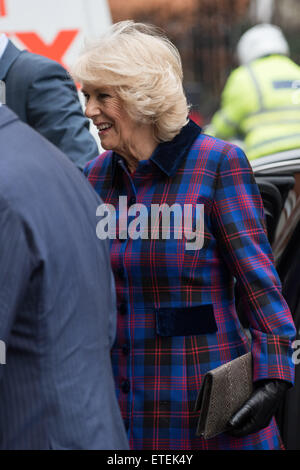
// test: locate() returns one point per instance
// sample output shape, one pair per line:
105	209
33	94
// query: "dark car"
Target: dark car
278	178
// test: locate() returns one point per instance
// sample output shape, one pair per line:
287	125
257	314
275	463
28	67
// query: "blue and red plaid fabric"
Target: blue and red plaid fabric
176	308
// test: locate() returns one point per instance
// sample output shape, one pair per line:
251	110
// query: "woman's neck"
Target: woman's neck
141	147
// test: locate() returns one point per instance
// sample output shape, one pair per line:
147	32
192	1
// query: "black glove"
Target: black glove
257	412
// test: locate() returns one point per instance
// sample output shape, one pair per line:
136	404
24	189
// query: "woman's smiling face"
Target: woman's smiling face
115	127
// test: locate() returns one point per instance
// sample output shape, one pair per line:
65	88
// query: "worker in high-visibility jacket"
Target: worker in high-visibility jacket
261	99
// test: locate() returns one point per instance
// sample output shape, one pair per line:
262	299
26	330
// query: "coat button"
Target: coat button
122	309
125	386
125	349
120	273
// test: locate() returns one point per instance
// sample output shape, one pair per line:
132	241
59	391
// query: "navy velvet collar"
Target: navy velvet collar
169	155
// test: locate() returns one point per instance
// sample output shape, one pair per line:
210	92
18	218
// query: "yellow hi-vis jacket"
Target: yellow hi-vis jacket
261	104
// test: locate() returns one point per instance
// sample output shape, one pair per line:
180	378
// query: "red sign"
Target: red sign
55	50
2	8
42	31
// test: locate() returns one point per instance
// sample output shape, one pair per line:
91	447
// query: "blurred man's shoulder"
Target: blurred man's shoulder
39	64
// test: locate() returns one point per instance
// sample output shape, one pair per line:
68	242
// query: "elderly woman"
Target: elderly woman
176	307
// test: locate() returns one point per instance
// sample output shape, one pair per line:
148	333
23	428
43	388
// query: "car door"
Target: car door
278	178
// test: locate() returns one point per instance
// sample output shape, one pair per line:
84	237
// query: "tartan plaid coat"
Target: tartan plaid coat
176	307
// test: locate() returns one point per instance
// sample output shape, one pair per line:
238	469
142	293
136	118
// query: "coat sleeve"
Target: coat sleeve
15	268
238	220
54	110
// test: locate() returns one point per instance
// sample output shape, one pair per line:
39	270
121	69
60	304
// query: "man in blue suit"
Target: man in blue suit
57	302
43	95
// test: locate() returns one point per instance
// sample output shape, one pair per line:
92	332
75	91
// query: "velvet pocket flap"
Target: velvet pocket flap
186	321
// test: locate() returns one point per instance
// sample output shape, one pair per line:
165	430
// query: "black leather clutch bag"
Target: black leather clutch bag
223	392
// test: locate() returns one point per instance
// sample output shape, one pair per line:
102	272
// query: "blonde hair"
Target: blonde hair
145	69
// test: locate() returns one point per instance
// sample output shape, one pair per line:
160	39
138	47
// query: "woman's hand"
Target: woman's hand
257	412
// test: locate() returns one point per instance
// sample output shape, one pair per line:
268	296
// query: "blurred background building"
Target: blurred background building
206	33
